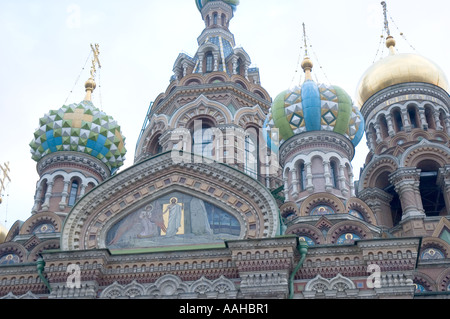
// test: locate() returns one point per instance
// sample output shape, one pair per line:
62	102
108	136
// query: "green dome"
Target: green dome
313	107
80	128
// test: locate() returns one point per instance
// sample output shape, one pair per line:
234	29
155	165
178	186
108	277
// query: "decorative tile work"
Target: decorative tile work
80	128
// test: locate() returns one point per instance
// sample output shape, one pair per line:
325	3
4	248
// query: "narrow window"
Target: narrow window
333	173
251	163
302	176
209	62
73	193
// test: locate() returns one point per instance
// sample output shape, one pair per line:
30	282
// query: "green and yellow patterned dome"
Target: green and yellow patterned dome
314	107
80	128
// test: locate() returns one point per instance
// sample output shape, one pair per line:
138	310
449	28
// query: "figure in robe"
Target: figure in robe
149	228
175	215
199	218
157	216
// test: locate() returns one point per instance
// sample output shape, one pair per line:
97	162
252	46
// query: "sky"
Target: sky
44	46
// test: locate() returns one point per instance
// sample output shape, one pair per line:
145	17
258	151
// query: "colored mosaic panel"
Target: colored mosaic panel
356	214
313	107
80	128
419	288
44	229
9	259
347	238
322	210
308	240
432	254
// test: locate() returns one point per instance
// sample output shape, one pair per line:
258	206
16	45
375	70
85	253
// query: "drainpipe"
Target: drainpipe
40	265
303	249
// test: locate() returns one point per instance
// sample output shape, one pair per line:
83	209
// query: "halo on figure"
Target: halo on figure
176	200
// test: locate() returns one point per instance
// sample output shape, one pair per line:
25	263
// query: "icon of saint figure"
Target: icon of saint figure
175	215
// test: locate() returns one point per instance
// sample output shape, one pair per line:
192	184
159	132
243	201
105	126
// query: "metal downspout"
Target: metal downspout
303	249
40	265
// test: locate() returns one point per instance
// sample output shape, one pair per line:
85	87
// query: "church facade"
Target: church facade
235	195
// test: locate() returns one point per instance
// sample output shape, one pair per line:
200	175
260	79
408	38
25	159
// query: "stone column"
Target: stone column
37	199
327	175
407	124
343	187
48	194
295	182
234	61
406	182
309	177
423	120
443	180
65	193
378	133
390	125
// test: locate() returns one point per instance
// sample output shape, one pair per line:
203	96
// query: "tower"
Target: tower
76	147
405	102
214	105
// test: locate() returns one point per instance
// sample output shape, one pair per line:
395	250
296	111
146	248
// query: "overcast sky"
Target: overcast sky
45	44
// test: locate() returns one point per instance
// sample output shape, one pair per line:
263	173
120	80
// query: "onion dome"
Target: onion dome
314	107
397	69
201	3
80	128
3	233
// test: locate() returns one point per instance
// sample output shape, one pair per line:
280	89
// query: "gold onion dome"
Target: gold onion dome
396	69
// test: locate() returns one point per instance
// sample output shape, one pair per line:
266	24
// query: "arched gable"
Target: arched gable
233	191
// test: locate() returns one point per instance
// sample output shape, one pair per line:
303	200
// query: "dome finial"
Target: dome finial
306	63
390	41
90	83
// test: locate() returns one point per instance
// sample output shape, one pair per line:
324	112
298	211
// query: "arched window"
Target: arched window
203	139
302	176
384	127
73	193
413	117
223	20
334	174
398	121
251	154
442	118
43	192
431	193
429	117
238	67
209	62
215	18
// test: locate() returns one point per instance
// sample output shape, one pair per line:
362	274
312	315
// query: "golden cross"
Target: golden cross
386	22
304	38
95	59
5	171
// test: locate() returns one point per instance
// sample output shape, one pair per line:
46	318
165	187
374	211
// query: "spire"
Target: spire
390	41
3	176
306	63
90	83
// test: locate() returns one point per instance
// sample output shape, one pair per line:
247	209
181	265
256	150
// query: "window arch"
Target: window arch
334	174
442	118
429	117
73	195
383	127
398	122
202	137
413	116
251	152
302	176
209	62
215	16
